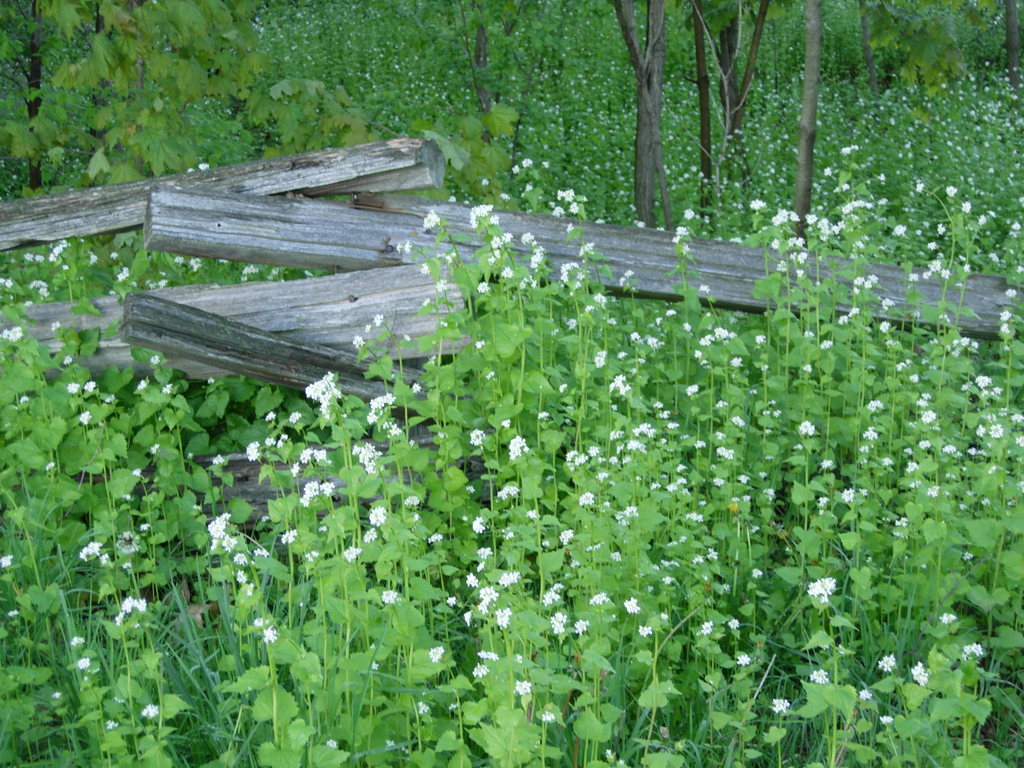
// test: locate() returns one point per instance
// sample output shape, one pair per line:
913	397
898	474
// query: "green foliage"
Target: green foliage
637	532
789	539
138	88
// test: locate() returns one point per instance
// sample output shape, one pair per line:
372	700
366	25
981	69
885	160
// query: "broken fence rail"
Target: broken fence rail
368	232
386	166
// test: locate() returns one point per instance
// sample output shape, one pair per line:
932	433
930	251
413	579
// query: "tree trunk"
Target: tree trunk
1013	44
704	104
648	69
35	94
808	114
869	53
728	84
748	73
481	59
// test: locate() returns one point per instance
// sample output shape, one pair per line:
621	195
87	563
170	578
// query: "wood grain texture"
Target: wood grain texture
324	311
180	332
303	233
398	164
730	271
263	230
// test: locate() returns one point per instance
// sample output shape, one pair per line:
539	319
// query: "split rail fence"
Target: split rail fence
294	332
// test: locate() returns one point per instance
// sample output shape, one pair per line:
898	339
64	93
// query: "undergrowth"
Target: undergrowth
606	532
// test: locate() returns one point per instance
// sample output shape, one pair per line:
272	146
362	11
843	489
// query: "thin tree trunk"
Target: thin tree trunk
35	85
481	59
98	100
1013	44
748	73
808	114
648	69
869	53
704	104
728	84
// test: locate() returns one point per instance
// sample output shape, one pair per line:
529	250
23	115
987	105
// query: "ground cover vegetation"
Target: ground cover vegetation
608	531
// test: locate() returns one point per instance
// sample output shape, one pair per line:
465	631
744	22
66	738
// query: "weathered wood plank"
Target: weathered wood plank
287	232
326	311
384	166
646	259
305	233
181	332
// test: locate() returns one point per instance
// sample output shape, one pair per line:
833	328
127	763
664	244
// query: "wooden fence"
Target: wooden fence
294	332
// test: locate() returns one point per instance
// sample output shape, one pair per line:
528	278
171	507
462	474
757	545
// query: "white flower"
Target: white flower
865	695
85	662
378	515
920	674
558	622
743	660
436	654
887	663
90	550
822	589
632	606
389	597
523	687
517	448
819	676
947	618
150	711
645	630
479	526
269	635
975	650
806	429
780	705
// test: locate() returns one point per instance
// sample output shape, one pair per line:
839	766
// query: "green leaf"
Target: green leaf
255	679
775	734
456	155
662	760
801	494
588	728
85	306
263	708
98	164
170	705
279	757
820	639
299	733
656	694
500	120
323	756
449	742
